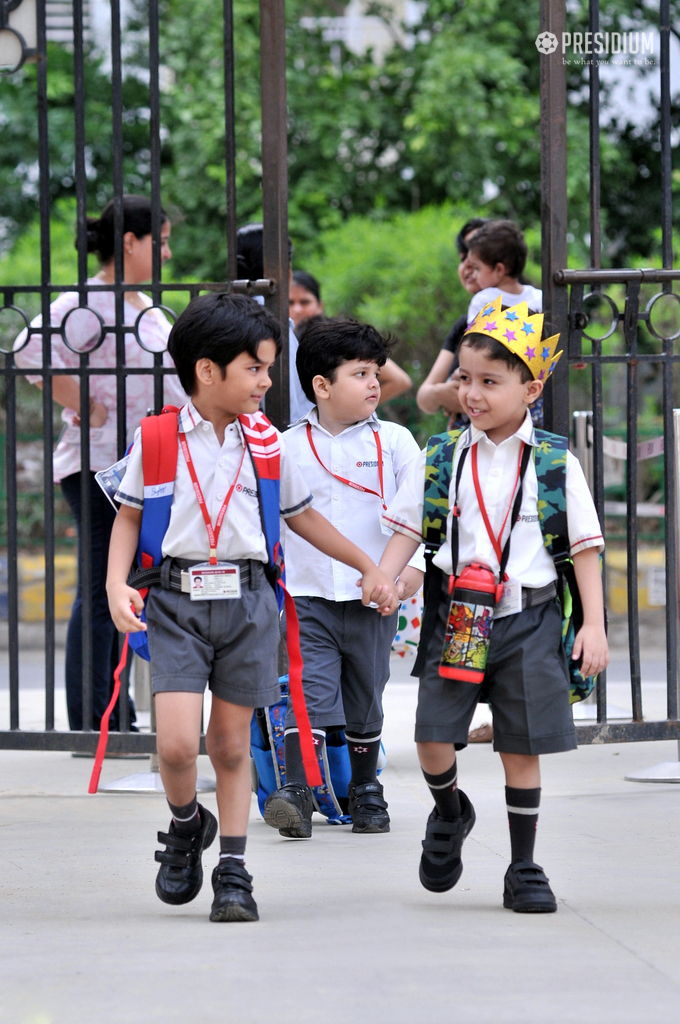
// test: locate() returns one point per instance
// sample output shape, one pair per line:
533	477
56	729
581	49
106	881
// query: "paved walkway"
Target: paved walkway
346	931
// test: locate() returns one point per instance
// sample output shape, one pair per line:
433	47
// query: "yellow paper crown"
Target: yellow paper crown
520	333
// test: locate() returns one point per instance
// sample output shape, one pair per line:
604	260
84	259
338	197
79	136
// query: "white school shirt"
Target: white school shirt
216	467
351	454
82	330
532	296
529	561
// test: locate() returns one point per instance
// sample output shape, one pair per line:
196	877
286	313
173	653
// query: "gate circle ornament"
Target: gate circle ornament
97	331
19	46
165	310
598	297
653	304
26	326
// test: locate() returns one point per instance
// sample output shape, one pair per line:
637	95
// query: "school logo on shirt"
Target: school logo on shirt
367	465
246	490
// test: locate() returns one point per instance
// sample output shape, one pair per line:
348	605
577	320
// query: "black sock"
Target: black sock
363	756
295	769
234	847
186	818
523	807
444	789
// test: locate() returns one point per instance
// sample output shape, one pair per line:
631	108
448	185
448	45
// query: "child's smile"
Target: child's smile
493	395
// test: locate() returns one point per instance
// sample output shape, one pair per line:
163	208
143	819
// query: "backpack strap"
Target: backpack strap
440	453
550	458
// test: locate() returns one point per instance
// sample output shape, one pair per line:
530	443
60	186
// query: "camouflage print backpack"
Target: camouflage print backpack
550	458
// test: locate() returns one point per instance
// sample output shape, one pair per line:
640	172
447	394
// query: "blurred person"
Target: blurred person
83	333
496	259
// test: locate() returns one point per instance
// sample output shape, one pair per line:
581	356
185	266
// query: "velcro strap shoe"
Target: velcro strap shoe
180	876
233	888
289	809
440	862
527	890
368	808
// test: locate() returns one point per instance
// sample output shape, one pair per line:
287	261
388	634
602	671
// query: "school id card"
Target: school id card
219	582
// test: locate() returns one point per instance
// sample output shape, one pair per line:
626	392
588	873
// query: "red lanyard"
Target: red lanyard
495	541
350	483
213	534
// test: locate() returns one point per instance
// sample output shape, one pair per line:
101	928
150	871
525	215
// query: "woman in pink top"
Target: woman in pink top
83	329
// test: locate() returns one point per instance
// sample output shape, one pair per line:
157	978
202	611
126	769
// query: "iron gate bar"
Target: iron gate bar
275	191
230	136
595	231
665	131
156	216
630	333
554	205
599	277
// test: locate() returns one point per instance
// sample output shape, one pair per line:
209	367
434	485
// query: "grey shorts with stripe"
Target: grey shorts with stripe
526	683
231	645
346	653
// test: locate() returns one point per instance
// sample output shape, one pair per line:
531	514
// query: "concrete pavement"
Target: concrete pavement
346	931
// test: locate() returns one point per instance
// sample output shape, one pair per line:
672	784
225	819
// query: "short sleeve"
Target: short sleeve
583	526
405	511
29	355
131	490
295	494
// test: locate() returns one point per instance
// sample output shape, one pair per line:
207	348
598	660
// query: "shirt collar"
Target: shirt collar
190	419
524	433
313	417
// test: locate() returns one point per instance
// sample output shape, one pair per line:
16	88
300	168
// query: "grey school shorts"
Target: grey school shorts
526	683
346	653
231	645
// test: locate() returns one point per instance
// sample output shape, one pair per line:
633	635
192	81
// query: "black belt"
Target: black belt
531	596
172	574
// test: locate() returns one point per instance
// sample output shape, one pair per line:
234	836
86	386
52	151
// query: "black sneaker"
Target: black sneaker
233	888
440	863
180	876
527	890
368	808
289	809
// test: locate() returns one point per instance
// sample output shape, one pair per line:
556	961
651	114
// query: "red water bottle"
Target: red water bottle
475	594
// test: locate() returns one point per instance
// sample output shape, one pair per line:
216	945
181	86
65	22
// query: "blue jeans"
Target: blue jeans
104	633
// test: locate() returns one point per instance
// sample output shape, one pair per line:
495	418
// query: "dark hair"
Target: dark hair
501	241
471	225
499	353
250	254
326	343
219	326
136	218
308	282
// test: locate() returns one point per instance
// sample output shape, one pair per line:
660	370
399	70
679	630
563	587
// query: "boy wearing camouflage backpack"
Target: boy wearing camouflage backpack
496	531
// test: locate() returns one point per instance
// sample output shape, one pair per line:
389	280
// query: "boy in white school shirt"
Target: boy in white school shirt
353	463
223	347
503	364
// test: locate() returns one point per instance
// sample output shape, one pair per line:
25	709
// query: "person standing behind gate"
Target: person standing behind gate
82	331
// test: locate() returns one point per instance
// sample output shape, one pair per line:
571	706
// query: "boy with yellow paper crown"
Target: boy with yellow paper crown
481	640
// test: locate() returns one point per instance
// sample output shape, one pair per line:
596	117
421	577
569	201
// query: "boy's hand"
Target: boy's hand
410	582
379	588
124	618
591	643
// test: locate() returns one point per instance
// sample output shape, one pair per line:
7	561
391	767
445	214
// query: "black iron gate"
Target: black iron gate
573	310
274	286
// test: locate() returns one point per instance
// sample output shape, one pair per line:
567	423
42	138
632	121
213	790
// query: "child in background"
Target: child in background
354	464
497	255
494	493
223	347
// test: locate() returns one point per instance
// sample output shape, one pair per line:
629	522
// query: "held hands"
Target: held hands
378	588
125	619
409	582
591	644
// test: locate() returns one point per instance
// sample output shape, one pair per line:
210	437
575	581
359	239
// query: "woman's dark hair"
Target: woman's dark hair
501	241
136	218
471	225
219	326
249	252
308	282
326	343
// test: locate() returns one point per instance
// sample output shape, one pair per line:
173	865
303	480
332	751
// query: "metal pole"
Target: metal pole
275	190
554	206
